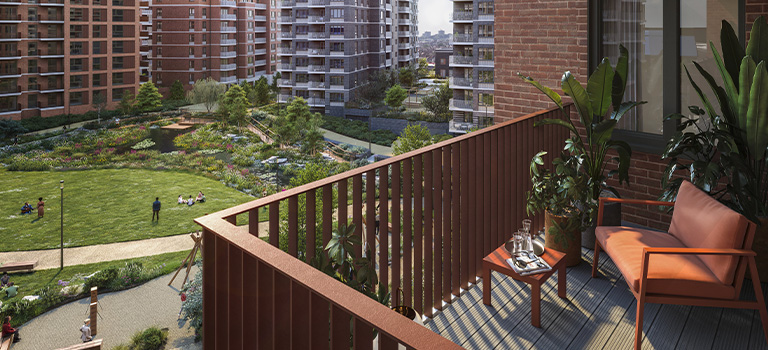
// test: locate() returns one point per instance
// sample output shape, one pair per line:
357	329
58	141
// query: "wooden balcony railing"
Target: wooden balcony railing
445	206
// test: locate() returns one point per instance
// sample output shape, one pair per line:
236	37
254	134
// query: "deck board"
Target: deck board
598	314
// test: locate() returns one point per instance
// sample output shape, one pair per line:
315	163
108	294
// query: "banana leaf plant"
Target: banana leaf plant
341	262
600	107
724	152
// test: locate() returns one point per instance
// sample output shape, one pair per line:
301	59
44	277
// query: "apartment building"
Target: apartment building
472	65
330	47
58	56
226	40
145	37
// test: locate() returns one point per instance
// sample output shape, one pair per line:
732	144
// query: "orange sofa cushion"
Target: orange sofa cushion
700	221
684	275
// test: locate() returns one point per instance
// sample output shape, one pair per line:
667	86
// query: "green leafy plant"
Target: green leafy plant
152	338
562	192
600	107
725	153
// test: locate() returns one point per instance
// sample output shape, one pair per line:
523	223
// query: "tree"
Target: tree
312	138
274	87
234	105
10	128
298	124
423	69
437	102
99	102
177	91
407	76
395	96
262	91
148	99
250	92
413	137
206	91
127	102
371	94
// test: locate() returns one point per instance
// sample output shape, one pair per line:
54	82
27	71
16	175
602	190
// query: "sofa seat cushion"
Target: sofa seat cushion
683	275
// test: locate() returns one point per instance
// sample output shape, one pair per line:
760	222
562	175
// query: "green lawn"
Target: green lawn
104	206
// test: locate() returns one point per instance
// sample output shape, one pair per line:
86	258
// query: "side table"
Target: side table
496	261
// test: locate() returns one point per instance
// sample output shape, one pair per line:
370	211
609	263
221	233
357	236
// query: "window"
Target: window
159	26
97	64
205	25
76	48
337	63
485	76
337	30
97	32
159	12
117	78
191	51
32	49
53	83
76	64
32	13
191	38
485	53
75	81
205	51
32	101
159	39
117	15
337	97
191	25
76	14
205	12
337	46
191	64
191	77
117	31
32	83
31	30
97	80
159	64
117	47
337	13
337	80
98	46
192	12
117	63
76	98
96	15
117	94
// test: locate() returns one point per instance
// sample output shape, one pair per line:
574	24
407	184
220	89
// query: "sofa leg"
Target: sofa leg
595	257
759	296
639	325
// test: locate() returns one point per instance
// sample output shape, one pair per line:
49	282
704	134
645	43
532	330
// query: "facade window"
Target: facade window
205	12
191	38
159	12
191	77
117	47
205	38
337	13
337	63
191	51
337	46
117	63
337	80
75	98
191	25
117	78
96	32
337	30
96	15
76	14
76	81
98	46
32	49
159	40
97	64
32	84
31	30
97	80
117	31
32	101
76	48
117	15
191	12
191	64
205	51
337	97
117	94
159	64
76	64
205	25
159	26
485	76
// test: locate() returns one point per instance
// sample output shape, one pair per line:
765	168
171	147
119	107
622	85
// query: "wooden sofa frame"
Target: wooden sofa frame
746	259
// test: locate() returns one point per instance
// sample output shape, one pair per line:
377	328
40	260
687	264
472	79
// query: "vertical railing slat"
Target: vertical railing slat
362	335
235	297
274	224
209	290
253	221
357	210
327	213
384	228
282	312
447	243
479	230
299	321
493	185
455	219
293	226
339	328
370	215
429	243
408	232
311	222
222	298
266	304
466	244
396	237
387	343
342	210
418	230
319	314
487	234
437	238
251	314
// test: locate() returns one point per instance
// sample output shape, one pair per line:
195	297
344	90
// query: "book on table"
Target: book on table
528	263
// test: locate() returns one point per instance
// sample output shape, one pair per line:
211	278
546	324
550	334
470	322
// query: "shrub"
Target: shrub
192	308
102	279
359	130
152	338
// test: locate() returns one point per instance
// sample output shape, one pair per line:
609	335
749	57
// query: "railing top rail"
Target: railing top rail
245	207
357	304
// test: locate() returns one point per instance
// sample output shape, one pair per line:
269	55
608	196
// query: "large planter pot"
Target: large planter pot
572	246
760	246
611	217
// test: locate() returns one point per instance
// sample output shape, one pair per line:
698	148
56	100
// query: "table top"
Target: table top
497	260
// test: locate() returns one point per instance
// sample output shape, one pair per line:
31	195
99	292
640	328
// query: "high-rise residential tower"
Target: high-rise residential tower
59	57
472	65
331	47
223	39
145	37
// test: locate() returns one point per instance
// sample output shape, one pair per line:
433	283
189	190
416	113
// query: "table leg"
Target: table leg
561	281
486	286
536	305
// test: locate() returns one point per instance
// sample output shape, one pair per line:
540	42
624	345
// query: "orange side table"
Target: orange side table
496	261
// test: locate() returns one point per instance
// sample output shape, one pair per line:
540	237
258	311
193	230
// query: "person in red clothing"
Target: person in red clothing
8	330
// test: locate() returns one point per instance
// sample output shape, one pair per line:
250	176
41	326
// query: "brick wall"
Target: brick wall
754	9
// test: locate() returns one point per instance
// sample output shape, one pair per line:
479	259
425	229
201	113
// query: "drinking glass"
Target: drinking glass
518	242
527	225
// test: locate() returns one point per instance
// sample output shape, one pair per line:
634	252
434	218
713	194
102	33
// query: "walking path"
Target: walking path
122	314
377	149
50	258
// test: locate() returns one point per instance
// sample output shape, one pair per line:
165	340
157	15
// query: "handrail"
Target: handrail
242	208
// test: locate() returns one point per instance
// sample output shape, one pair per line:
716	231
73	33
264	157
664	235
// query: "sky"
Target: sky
433	16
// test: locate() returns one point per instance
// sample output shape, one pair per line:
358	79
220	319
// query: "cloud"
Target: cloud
433	16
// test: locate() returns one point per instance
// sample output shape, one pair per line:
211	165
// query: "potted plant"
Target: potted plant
600	107
561	194
724	152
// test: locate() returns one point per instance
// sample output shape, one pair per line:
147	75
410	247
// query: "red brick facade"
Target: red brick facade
543	40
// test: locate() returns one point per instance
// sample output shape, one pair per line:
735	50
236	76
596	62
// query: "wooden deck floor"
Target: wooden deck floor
599	313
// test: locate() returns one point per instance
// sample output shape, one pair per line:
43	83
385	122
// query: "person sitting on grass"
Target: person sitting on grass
26	208
4	280
191	201
9	331
200	197
11	290
181	200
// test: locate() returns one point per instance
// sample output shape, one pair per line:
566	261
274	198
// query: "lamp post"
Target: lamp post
61	266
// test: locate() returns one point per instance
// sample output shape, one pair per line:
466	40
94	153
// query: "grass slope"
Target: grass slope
103	206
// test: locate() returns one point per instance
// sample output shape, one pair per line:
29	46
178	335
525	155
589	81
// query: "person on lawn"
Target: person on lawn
40	207
4	280
181	200
191	201
9	331
26	208
156	209
11	290
200	197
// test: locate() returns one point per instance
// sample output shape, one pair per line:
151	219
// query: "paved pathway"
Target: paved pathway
124	313
377	149
50	258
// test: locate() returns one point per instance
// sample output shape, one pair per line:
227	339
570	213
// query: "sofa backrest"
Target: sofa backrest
700	221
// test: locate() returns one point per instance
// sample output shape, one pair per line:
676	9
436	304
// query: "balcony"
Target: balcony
463	217
461	105
227	54
454	83
225	29
259	6
227	67
462	16
463	38
260	18
457	61
228	80
260	52
228	17
228	42
228	3
146	12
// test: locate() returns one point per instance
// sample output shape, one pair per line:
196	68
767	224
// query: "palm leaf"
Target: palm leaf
620	77
624	108
728	80
757	113
555	97
758	41
560	122
599	87
704	99
722	98
746	75
732	50
574	89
